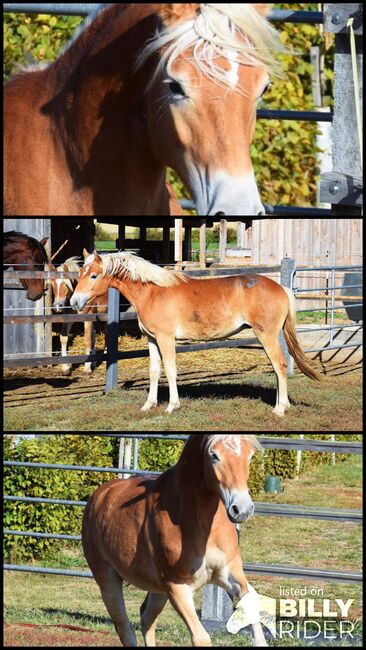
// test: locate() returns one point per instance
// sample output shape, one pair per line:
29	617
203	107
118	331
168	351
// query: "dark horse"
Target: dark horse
173	534
25	253
142	87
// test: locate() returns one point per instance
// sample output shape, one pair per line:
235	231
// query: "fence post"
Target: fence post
287	268
112	339
217	607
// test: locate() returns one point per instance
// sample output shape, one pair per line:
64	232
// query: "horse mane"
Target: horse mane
128	265
72	264
233	31
11	241
232	441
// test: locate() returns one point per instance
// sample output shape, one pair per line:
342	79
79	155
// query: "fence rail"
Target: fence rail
287	271
263	509
342	187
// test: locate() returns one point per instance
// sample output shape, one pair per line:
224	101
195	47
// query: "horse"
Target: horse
24	253
62	292
170	535
171	306
142	87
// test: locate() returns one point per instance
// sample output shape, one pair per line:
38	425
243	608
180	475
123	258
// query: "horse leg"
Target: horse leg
274	353
155	369
64	338
167	348
238	586
89	341
111	588
181	597
150	609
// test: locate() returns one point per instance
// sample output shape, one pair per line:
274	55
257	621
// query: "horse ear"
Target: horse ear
44	241
172	13
85	253
263	9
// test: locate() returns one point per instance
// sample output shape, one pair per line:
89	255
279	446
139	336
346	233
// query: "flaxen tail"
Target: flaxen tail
293	342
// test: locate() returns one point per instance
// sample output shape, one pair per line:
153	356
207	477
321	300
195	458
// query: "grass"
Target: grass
44	599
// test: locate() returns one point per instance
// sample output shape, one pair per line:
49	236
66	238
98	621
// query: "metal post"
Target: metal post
343	186
112	339
287	268
217	607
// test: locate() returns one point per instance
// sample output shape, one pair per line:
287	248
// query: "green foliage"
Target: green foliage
159	455
51	484
39	37
283	153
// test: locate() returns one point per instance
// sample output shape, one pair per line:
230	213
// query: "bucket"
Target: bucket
273	485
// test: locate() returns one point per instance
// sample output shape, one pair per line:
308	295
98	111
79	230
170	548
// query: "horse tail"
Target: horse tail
293	342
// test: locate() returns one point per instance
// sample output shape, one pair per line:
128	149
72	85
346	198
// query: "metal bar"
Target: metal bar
261	508
258	569
78	468
303	572
83	9
39	569
54	8
278	210
26	533
326	514
311	445
298	116
297	17
329	268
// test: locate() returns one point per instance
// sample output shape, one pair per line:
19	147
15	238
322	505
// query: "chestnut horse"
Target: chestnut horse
62	292
24	253
173	534
171	306
140	88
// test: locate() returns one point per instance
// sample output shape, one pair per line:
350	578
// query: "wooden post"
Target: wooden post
223	240
203	244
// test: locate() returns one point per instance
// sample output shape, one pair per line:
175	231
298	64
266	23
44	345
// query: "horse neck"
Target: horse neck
83	93
16	257
134	290
191	491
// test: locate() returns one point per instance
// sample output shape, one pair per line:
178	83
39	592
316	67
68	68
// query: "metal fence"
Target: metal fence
216	605
288	275
342	187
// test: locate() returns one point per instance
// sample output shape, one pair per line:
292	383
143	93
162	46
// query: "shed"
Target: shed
77	233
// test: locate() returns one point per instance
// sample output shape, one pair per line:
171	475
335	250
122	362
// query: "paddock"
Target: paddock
225	370
341	576
221	390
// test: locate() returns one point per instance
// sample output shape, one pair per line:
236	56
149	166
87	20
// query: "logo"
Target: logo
304	613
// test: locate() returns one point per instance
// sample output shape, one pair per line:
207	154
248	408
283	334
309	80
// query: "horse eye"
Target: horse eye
94	276
214	457
176	89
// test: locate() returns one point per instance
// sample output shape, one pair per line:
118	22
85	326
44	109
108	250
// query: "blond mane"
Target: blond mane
233	442
218	30
128	265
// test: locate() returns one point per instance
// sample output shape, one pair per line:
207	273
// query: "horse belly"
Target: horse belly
200	329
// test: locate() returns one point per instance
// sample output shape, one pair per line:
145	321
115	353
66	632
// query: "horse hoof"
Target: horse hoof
171	408
148	405
66	372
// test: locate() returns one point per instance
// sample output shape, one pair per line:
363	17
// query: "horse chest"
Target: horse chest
212	565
